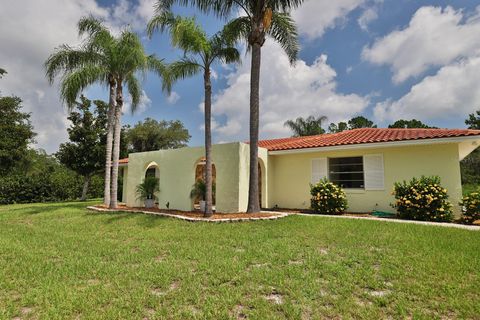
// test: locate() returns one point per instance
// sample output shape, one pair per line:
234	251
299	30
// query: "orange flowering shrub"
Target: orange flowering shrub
471	207
327	198
422	199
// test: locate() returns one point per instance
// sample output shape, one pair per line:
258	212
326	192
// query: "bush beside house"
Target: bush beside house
422	199
471	207
327	198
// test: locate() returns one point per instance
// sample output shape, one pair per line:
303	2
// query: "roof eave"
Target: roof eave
375	145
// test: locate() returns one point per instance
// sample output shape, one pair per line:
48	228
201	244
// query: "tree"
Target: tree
306	127
255	20
151	135
106	59
470	166
360	122
2	72
412	124
85	153
473	121
336	128
200	52
16	133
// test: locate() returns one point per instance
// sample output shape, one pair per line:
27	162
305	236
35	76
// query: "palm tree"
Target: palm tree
200	52
260	18
110	60
306	127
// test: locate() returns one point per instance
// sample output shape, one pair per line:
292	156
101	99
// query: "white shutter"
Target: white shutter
374	172
319	169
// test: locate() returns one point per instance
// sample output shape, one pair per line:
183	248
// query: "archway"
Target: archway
200	173
152	170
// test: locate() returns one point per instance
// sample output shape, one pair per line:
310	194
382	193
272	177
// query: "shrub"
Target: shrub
422	199
327	198
471	207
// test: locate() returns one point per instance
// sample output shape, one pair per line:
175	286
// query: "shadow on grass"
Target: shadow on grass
144	220
39	208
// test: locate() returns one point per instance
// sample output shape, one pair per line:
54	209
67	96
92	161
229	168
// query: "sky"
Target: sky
383	59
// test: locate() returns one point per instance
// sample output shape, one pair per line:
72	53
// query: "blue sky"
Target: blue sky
383	59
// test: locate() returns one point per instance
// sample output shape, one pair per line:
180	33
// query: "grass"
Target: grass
61	261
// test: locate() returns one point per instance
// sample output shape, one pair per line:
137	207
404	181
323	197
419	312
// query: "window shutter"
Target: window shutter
374	172
319	169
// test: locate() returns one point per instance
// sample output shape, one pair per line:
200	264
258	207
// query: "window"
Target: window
347	172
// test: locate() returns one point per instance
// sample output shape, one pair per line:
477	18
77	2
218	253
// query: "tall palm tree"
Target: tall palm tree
261	18
309	126
109	60
200	52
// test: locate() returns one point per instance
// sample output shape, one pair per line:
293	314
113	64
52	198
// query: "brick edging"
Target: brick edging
277	216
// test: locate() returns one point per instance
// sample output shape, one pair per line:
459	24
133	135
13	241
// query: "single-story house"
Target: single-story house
365	162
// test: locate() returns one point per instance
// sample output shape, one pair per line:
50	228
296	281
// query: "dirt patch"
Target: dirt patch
275	297
379	293
239	312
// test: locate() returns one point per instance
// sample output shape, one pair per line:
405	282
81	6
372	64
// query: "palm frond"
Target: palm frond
68	59
184	68
284	31
75	82
161	69
135	90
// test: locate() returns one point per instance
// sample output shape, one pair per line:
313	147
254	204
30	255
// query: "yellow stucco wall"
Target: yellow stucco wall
290	175
177	175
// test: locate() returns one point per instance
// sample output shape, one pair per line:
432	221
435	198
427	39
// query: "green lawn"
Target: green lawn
61	261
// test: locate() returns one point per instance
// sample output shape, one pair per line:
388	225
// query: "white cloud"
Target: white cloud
286	92
315	17
173	98
454	90
28	37
368	15
434	37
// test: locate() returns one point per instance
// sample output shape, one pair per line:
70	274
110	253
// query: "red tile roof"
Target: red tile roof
362	136
359	136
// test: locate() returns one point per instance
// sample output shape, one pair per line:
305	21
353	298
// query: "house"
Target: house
365	162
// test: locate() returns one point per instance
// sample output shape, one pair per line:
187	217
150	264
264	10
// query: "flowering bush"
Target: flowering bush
471	207
423	199
327	198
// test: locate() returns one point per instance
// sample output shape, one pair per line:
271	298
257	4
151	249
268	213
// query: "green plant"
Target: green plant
147	189
199	190
327	198
422	199
471	207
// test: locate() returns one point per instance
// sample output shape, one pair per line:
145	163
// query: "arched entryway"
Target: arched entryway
152	170
200	167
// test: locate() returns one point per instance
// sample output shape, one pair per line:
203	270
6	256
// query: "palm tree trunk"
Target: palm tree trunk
86	184
253	192
108	153
208	144
116	146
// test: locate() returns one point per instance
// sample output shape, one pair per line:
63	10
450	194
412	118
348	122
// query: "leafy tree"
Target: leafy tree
360	122
335	128
473	121
309	126
16	133
470	166
255	20
200	52
412	124
151	135
111	60
2	72
85	153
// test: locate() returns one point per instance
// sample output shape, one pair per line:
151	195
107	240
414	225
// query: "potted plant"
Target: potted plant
146	191
199	191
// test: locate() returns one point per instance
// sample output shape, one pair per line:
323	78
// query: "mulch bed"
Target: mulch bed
196	214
